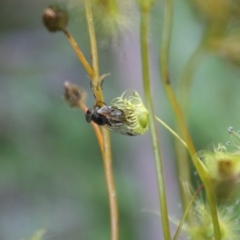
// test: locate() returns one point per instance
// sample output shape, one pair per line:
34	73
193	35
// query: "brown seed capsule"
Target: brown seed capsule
54	18
73	95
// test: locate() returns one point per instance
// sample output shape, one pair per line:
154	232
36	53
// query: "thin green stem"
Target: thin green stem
180	144
96	79
92	35
164	60
144	15
184	87
171	131
183	171
79	53
107	156
186	212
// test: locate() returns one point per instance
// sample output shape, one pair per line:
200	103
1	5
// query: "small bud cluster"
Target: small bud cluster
202	228
224	167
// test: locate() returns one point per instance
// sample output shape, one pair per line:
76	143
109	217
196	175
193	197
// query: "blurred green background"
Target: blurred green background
51	173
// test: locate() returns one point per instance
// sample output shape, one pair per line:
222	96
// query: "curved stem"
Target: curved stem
171	131
96	79
95	128
75	96
107	158
186	212
79	53
164	59
184	86
144	15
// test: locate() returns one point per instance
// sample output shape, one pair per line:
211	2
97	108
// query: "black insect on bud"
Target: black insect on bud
54	18
126	115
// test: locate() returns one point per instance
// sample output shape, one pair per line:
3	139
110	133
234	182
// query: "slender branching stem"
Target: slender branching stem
164	69
183	171
183	93
107	158
171	131
144	28
92	35
75	97
96	80
79	53
180	144
186	212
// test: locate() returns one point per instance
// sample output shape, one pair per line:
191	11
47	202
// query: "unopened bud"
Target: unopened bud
54	18
73	95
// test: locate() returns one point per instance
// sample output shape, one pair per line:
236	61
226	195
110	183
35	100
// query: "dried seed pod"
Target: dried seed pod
54	18
73	95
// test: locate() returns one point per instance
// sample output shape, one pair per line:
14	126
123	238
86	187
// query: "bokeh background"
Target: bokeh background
51	172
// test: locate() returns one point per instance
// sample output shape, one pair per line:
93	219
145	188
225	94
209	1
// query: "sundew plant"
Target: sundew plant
209	209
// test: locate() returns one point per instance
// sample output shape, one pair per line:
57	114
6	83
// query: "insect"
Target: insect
126	114
105	115
109	117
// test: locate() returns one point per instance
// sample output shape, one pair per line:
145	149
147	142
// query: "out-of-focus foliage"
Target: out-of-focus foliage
51	174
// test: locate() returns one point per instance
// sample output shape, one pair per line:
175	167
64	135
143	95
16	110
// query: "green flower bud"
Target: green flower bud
224	168
136	115
202	228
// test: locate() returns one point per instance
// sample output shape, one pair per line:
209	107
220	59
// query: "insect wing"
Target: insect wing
122	129
117	120
111	118
115	116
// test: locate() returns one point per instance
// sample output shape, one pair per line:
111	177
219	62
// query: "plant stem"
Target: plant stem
107	158
183	166
75	96
165	46
95	128
144	15
96	80
79	53
183	93
186	212
171	131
